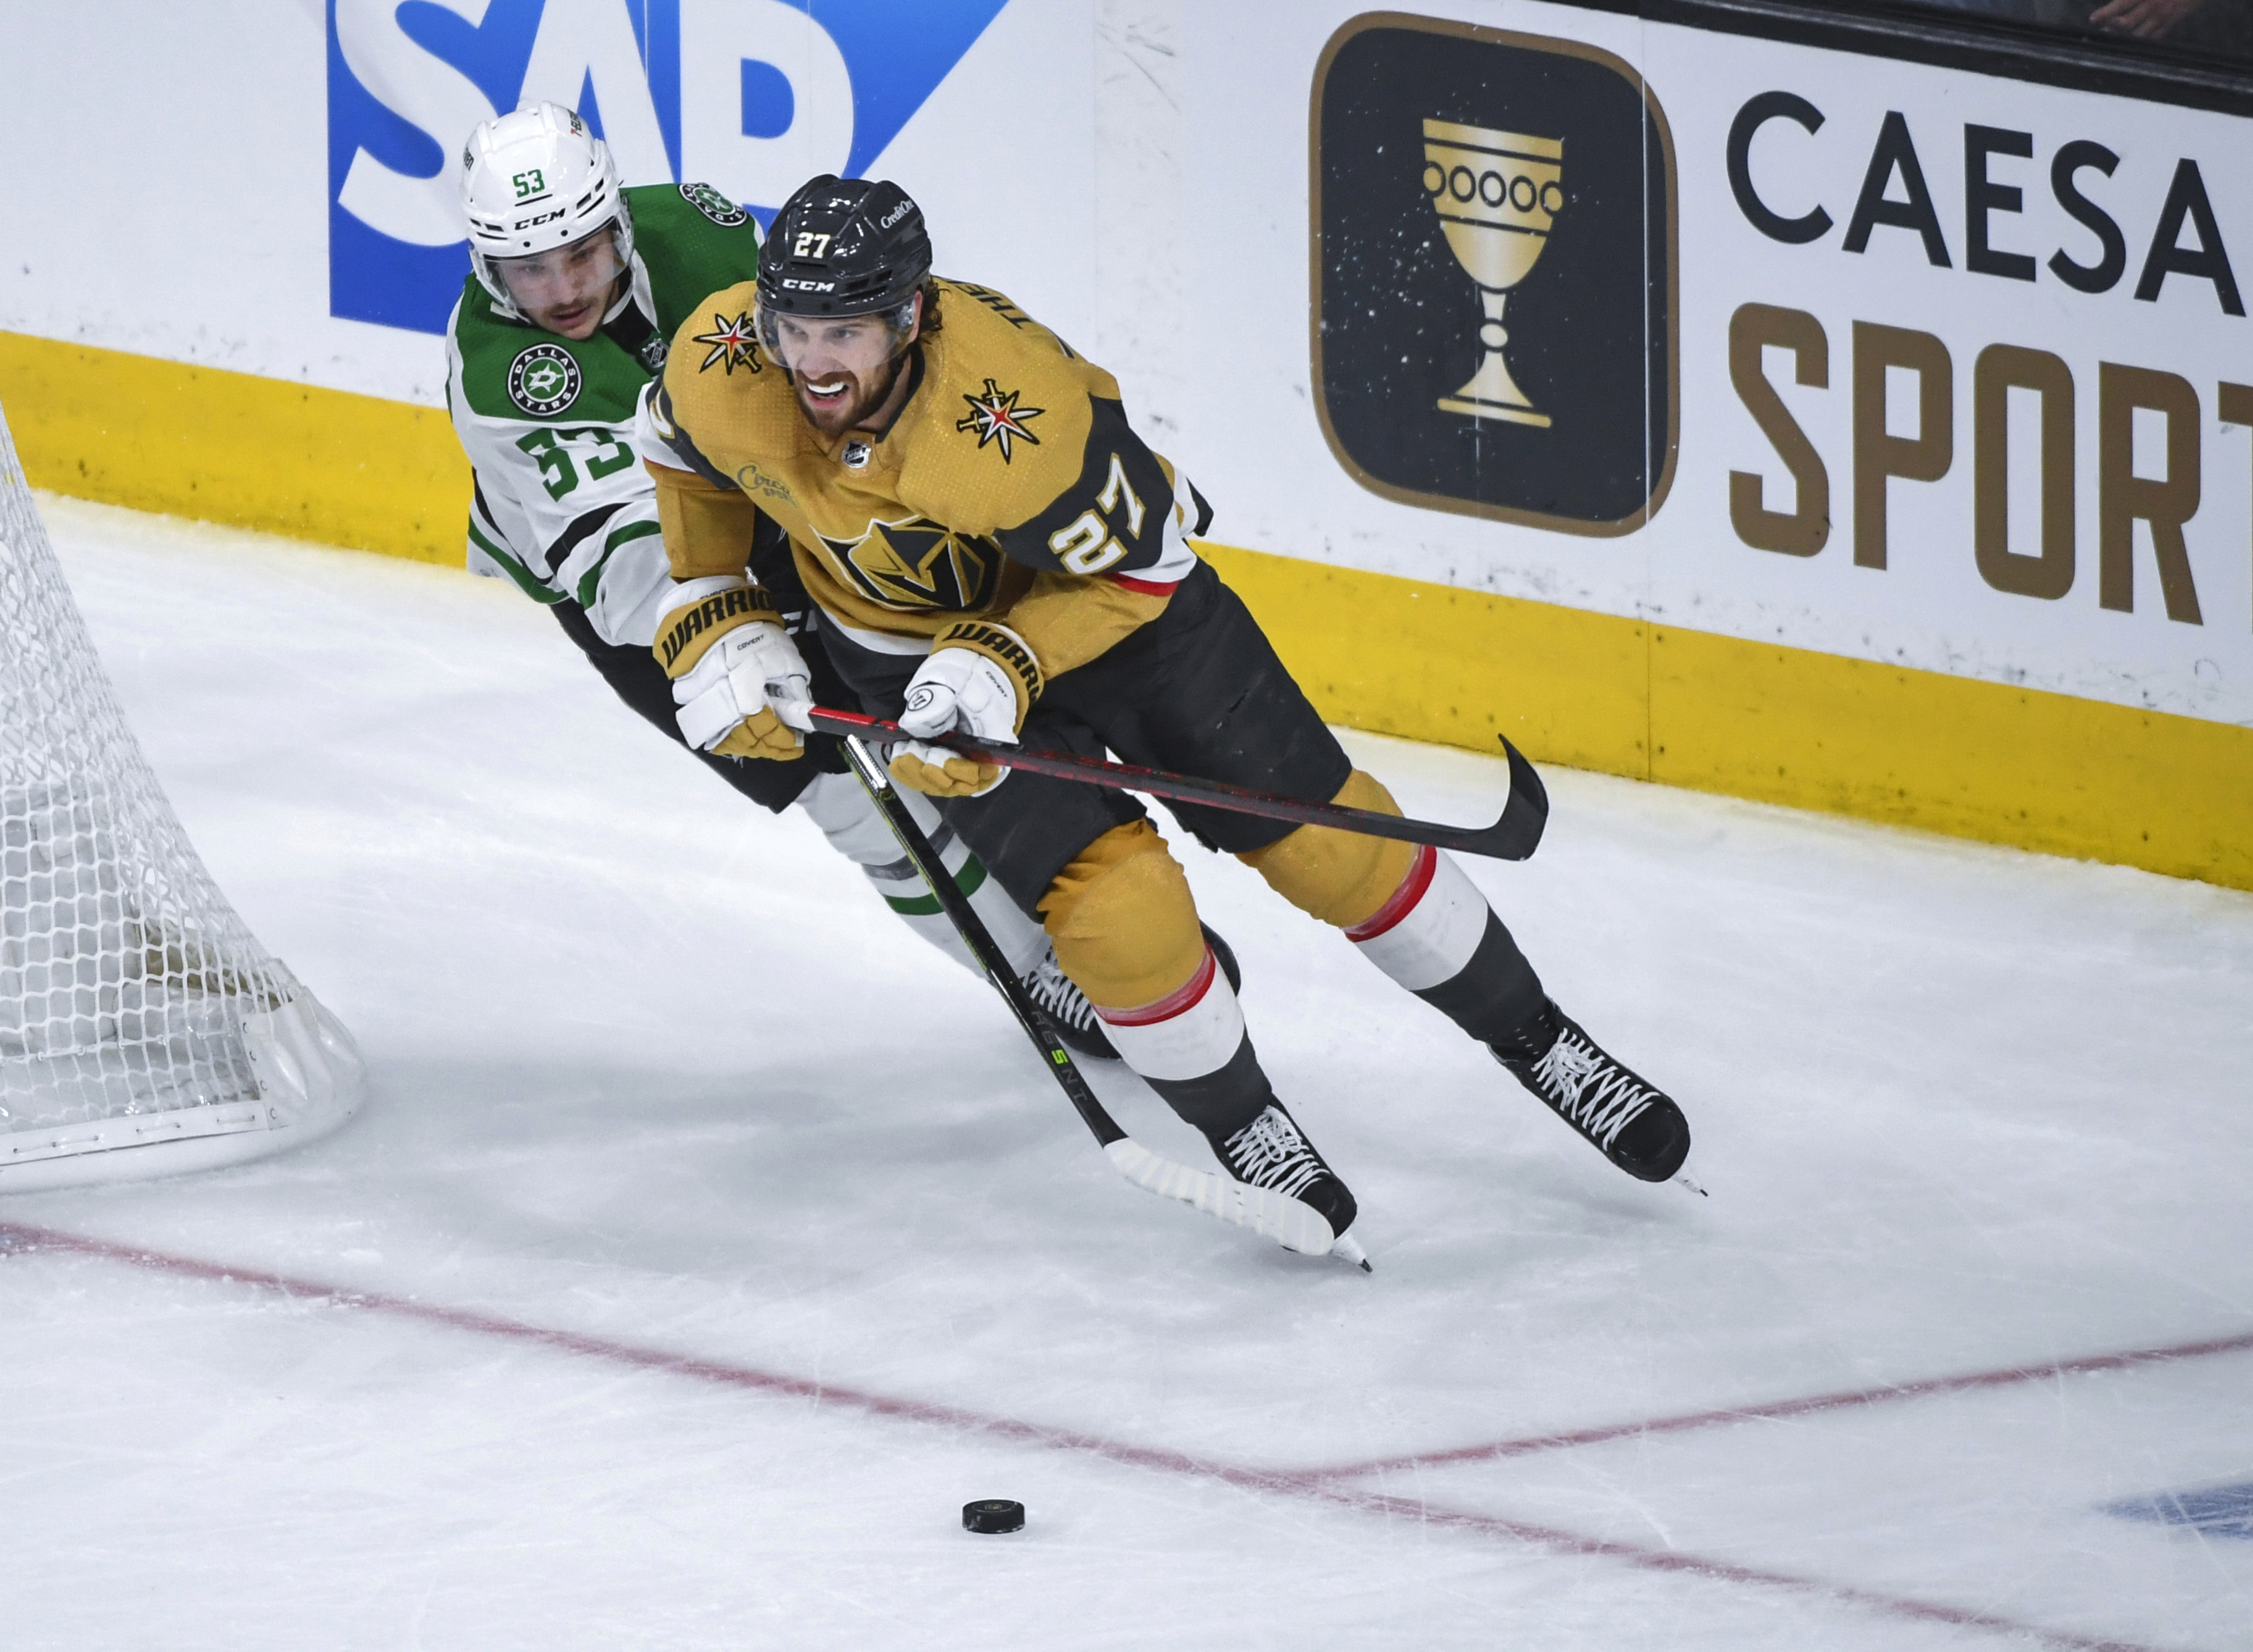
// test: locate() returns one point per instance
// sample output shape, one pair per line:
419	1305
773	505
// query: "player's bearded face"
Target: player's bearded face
568	290
845	367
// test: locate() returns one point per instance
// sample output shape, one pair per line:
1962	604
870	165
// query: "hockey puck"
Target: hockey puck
992	1515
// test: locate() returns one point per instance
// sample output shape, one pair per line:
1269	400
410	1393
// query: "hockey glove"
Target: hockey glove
980	680
740	684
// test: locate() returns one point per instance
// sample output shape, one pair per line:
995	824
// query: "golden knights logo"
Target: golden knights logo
997	417
916	562
734	344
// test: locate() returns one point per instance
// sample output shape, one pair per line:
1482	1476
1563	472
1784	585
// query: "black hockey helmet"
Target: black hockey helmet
844	246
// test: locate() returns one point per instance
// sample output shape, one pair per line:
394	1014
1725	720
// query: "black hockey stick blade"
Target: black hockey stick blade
1512	837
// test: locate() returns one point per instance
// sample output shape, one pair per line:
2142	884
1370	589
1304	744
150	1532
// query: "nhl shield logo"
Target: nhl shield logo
544	380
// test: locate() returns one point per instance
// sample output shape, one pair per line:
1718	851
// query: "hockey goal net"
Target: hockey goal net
143	1030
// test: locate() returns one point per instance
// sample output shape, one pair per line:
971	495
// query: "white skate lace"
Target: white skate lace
1270	1153
1595	1094
1058	998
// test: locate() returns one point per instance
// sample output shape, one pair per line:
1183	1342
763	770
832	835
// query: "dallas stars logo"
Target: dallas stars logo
997	417
544	380
733	343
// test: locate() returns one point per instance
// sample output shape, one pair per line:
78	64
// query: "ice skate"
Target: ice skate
1066	1009
1271	1152
1623	1115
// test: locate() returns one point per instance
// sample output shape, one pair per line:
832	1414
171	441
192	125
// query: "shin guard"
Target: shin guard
1437	936
1192	1047
854	829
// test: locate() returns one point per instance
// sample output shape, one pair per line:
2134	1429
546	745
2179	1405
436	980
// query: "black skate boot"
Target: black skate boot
1629	1121
1066	1009
1271	1152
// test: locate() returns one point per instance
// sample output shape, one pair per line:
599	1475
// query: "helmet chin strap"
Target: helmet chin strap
638	288
898	364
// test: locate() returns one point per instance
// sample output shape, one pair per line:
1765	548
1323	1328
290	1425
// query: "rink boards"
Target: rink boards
1864	432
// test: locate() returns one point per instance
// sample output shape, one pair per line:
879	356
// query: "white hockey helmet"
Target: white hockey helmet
532	181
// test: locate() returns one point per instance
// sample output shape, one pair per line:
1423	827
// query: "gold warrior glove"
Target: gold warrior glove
980	680
741	685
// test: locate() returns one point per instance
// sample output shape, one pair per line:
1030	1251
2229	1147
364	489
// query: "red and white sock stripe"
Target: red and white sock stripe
1426	931
1193	1030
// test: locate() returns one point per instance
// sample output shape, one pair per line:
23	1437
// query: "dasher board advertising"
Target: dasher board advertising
750	97
1564	417
1911	361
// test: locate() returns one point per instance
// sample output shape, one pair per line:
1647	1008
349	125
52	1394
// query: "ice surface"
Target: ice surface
653	1069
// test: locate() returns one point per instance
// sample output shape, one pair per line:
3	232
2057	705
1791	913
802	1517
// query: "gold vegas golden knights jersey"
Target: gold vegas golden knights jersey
1010	487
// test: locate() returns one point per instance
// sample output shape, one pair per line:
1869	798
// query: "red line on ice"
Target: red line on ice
1965	1383
1318	1486
1698	1566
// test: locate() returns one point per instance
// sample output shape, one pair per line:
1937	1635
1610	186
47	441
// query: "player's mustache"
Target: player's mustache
860	398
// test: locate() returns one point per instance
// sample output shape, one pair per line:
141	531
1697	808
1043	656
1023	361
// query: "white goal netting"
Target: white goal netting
143	1030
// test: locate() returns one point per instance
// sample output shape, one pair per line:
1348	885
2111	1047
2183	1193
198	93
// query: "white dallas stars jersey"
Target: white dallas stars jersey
560	504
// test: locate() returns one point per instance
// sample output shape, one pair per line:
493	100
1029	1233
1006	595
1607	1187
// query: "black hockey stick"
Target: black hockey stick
1293	1225
1512	838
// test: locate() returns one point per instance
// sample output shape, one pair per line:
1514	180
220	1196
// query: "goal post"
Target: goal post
143	1030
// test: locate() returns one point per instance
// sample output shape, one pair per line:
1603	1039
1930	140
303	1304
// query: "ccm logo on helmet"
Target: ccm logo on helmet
809	286
896	215
543	218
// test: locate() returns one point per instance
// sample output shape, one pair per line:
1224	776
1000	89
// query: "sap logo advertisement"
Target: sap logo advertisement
751	96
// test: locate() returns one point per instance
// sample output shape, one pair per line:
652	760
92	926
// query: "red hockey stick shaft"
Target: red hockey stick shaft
1512	837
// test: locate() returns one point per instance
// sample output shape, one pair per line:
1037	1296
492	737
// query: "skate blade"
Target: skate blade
1347	1246
1693	1186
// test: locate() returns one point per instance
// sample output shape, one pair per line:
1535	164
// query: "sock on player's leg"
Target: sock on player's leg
1411	912
1437	936
1192	1048
854	829
1125	928
1416	915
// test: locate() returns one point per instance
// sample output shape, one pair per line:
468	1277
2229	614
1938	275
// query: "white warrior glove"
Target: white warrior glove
980	680
741	687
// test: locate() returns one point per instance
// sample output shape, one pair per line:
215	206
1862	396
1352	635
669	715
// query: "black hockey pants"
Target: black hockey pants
1199	690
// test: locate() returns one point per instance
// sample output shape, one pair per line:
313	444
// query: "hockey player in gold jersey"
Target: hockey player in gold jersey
992	549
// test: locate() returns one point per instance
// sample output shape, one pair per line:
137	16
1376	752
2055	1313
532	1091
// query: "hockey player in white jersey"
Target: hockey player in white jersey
578	284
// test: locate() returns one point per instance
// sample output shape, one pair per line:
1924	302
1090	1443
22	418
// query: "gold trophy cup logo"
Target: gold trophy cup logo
1496	194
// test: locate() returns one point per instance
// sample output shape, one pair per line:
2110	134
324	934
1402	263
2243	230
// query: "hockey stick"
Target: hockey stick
1511	838
1290	1223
